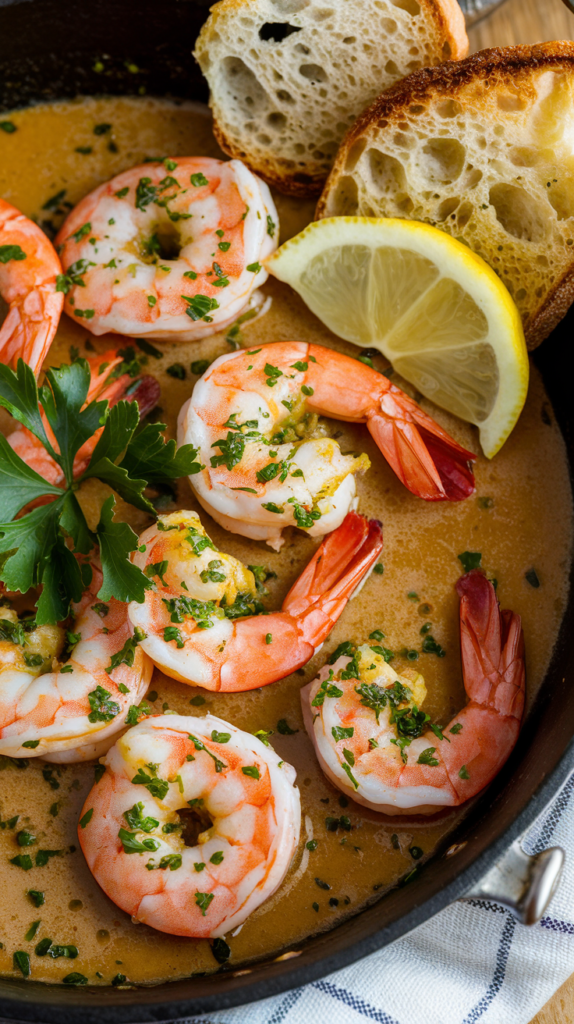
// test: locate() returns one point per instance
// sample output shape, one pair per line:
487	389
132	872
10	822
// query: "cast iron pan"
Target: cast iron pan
48	50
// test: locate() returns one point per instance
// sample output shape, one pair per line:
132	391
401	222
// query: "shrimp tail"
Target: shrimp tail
424	457
338	567
492	647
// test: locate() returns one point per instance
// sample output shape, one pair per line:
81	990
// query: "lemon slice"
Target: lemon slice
435	309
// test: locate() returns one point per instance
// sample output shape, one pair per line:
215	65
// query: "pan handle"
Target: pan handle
521	883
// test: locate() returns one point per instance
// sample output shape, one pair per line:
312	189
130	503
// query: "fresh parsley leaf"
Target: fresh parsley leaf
121	578
470	560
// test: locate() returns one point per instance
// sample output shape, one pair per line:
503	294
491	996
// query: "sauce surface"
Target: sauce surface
516	524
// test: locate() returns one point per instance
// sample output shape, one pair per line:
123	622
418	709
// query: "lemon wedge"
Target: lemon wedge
435	309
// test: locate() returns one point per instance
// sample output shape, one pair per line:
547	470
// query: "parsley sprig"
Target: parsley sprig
39	548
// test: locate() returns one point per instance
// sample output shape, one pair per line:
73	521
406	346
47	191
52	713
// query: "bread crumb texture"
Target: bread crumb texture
484	149
288	77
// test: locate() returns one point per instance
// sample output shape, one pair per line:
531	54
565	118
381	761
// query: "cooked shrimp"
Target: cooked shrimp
374	743
254	417
203	621
65	695
144	391
29	267
170	250
243	795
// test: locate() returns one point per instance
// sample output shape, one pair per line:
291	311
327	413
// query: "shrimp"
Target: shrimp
245	799
254	418
203	623
374	743
171	250
64	696
145	392
29	268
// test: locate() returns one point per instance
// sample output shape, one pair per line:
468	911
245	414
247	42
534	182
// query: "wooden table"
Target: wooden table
531	21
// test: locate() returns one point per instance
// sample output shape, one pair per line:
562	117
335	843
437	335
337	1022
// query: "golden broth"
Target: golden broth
422	541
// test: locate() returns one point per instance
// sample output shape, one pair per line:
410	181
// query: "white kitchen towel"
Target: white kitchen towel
471	963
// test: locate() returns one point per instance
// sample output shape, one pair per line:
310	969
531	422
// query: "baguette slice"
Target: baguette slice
288	77
484	149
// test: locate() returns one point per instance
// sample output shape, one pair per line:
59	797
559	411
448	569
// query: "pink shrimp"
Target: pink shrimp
171	250
69	707
242	793
248	403
29	267
373	742
32	451
201	621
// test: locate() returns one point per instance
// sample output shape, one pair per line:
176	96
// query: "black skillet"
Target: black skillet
48	50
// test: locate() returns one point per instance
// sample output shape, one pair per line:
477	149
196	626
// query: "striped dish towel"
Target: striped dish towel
471	963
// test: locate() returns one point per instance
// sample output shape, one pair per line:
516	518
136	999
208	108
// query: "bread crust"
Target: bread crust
449	26
498	65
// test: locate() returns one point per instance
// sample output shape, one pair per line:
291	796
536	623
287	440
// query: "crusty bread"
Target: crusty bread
288	77
484	149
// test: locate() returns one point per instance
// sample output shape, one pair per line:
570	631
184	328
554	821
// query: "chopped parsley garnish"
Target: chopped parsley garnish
199	306
251	770
464	773
8	126
231	448
36	897
427	757
378	697
128	652
199	745
340	732
220	950
176	370
103	709
157	787
470	560
172	633
199	366
11	252
21	961
270	226
284	728
431	646
203	899
198	179
86	818
132	844
212	573
135	712
182	607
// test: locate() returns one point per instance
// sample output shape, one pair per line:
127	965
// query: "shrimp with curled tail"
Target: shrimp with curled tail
65	695
203	621
374	743
254	418
244	796
29	268
170	250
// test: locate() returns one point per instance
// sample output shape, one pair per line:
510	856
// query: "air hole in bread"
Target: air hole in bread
445	159
474	175
389	26
510	101
519	213
562	200
447	207
416	108
524	156
446	50
392	69
448	108
300	48
386	172
276	120
243	87
349	40
411	6
345	201
355	153
284	96
464	214
276	31
313	72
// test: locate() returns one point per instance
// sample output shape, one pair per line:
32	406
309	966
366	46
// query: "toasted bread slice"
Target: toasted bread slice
484	149
288	77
